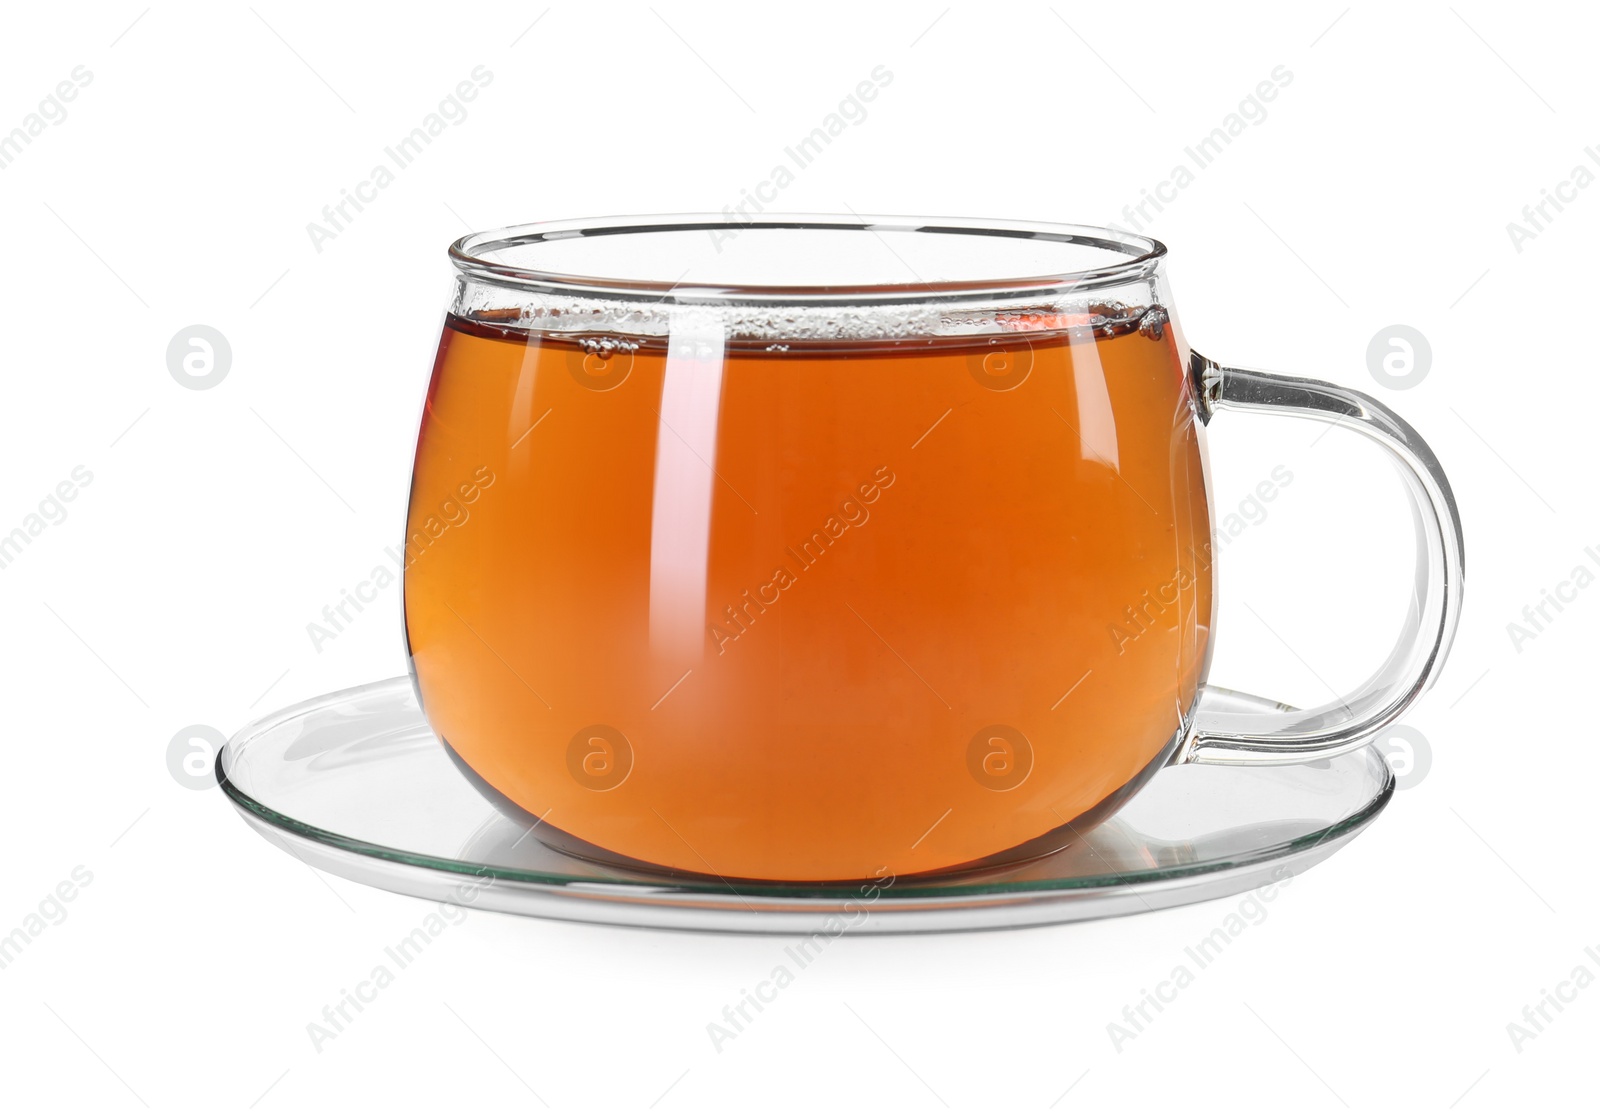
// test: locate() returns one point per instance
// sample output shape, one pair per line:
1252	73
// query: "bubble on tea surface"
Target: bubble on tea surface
602	363
999	757
586	318
1399	357
599	757
1154	323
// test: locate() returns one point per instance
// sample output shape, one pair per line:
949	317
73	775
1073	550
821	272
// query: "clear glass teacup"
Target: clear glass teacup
819	548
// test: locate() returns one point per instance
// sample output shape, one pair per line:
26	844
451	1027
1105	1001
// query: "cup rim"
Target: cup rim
1143	256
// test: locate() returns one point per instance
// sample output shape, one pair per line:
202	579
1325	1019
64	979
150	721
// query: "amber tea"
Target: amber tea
811	611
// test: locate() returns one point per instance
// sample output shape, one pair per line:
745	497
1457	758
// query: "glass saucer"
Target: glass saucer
355	783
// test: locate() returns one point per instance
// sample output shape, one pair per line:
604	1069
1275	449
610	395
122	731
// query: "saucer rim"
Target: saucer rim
516	890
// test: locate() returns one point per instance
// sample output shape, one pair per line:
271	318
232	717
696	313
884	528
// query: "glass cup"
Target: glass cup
819	549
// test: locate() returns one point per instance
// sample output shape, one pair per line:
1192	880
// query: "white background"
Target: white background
219	523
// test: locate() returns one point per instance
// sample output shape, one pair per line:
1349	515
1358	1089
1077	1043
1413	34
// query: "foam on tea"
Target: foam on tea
809	595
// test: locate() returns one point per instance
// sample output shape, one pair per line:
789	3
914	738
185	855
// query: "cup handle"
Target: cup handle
1220	733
